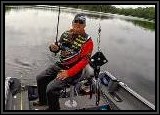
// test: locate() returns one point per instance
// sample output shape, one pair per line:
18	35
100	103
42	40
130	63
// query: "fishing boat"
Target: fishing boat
95	90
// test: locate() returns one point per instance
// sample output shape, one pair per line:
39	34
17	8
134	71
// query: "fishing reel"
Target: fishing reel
50	48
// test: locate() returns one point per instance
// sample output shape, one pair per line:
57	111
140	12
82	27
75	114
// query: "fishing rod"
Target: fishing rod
57	28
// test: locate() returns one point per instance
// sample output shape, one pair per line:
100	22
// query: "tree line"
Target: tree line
146	13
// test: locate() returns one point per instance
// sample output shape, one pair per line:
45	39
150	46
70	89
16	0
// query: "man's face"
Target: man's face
78	26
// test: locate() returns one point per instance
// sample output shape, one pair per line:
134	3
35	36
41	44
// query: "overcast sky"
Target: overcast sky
132	6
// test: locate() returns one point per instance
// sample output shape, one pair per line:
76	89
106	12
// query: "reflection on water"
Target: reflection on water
129	47
144	24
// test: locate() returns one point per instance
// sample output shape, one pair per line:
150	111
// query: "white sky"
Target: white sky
132	6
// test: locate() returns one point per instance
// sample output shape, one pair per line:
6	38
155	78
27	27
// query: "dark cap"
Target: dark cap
81	17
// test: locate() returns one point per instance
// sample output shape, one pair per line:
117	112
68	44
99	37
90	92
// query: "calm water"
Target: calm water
128	45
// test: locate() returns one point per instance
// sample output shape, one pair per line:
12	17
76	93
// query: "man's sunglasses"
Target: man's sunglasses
79	21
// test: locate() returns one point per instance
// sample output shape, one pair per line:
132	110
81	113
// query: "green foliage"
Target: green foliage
147	13
7	8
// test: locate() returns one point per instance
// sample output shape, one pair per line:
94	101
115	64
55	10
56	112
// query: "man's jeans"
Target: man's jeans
49	88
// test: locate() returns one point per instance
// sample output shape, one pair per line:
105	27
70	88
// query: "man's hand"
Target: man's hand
53	47
62	75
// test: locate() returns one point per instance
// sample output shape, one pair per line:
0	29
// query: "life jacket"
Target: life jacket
70	46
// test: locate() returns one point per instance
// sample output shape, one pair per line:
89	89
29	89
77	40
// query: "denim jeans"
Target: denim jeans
49	88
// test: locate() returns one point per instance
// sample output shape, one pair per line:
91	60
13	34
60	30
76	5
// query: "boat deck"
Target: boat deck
81	102
116	95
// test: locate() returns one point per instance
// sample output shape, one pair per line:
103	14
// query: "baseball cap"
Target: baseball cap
80	18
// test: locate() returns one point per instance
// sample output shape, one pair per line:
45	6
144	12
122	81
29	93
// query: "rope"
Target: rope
98	39
99	32
98	68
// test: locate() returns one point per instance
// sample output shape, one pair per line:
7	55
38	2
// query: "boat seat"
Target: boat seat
87	73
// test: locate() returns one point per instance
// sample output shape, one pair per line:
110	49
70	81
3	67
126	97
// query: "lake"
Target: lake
127	43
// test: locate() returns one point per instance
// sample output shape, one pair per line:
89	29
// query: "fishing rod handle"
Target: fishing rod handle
56	43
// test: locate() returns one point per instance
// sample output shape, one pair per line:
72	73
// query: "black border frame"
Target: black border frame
156	3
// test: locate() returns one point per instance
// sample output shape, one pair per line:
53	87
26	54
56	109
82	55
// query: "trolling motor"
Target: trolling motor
97	60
